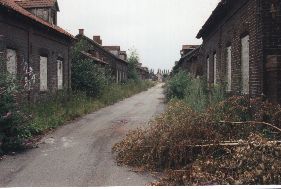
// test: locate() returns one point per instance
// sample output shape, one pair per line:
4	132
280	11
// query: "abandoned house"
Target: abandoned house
110	55
190	60
187	48
242	47
32	41
143	72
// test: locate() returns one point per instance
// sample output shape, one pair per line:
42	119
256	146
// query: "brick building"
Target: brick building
187	48
110	55
31	39
242	47
190	61
143	72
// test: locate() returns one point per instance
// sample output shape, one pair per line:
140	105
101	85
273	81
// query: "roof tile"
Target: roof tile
12	5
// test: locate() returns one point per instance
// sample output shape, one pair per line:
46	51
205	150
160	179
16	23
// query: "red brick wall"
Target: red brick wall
272	48
242	19
30	41
115	63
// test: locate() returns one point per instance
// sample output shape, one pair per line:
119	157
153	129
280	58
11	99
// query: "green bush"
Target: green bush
177	85
13	120
193	91
89	77
133	61
66	106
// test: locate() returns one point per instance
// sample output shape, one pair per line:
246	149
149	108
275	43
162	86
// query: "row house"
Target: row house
190	60
31	42
242	47
110	56
143	72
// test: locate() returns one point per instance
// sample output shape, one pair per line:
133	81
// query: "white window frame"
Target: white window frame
11	56
43	73
215	68
229	67
60	74
245	64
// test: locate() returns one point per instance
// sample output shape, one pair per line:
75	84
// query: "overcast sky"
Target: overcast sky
156	28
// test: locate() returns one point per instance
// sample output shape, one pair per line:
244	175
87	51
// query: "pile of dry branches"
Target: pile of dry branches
229	143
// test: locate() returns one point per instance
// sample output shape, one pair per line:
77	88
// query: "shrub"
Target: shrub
177	85
193	91
133	61
89	77
205	146
13	119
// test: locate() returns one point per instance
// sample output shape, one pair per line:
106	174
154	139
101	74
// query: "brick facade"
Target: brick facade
119	67
31	40
190	62
230	22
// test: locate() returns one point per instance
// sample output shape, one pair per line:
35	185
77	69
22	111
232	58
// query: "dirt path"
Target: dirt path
79	154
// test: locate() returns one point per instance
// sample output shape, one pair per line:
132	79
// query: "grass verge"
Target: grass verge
66	107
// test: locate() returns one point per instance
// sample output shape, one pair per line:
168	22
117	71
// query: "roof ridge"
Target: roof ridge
11	4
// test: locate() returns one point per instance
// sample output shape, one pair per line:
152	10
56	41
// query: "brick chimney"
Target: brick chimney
97	39
81	31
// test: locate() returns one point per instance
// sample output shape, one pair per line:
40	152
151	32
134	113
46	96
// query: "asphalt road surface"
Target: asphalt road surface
79	154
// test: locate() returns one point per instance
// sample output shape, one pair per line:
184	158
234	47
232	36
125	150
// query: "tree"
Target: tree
133	61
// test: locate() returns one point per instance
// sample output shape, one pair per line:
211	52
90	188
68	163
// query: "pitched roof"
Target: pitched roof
191	54
112	48
215	16
13	6
100	47
189	47
36	3
88	55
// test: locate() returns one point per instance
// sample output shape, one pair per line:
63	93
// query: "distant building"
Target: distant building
188	48
191	62
109	55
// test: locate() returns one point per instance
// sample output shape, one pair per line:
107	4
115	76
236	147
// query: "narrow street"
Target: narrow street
79	153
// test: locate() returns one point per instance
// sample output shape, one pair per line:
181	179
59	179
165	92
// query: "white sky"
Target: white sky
156	28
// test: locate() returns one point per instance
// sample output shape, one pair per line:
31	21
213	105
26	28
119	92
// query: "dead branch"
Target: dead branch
252	122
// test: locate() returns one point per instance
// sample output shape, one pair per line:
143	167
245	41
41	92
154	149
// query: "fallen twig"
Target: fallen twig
252	122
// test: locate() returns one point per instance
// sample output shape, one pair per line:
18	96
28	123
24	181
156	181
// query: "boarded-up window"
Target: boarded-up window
245	61
43	73
215	68
229	73
208	69
12	62
117	76
60	74
120	76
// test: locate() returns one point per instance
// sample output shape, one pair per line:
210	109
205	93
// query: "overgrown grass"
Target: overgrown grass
193	91
66	107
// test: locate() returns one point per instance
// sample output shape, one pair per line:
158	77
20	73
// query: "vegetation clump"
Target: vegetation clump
193	91
234	141
13	120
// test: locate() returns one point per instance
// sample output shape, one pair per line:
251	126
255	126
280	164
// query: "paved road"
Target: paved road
79	154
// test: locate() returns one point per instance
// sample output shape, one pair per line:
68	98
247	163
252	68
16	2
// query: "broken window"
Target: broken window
60	73
43	73
245	61
215	68
12	62
229	73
